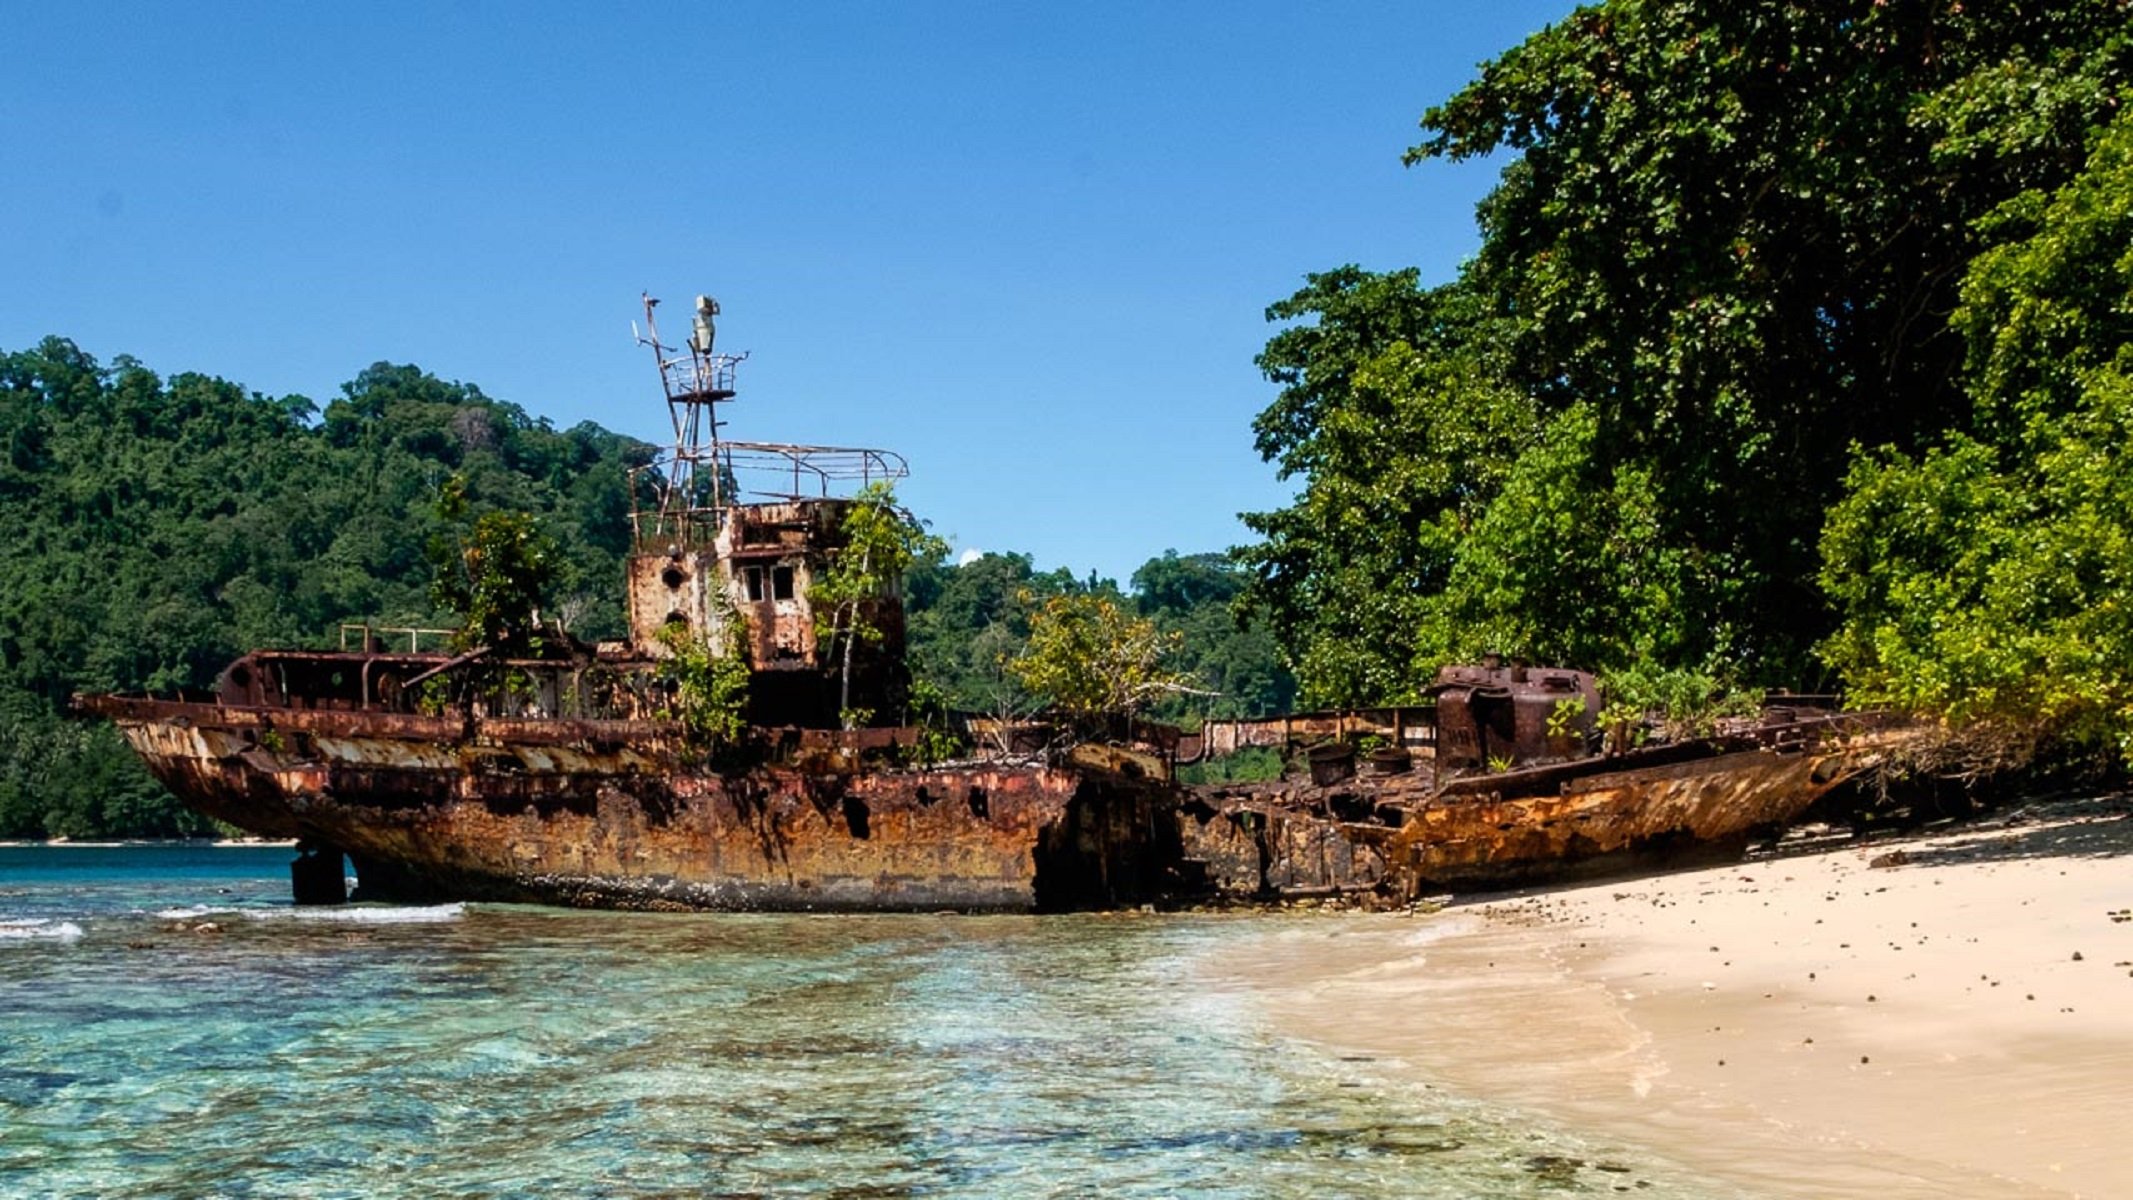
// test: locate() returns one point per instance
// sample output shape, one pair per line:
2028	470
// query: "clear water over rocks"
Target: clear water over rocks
501	1051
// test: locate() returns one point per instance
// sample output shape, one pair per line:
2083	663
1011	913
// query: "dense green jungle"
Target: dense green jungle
1795	353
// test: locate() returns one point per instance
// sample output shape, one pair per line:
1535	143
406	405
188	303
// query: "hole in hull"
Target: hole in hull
855	817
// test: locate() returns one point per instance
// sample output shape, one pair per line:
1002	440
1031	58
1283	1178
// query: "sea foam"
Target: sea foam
31	929
351	914
191	912
363	915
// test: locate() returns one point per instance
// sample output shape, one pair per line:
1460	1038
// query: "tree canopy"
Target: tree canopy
1726	249
1991	576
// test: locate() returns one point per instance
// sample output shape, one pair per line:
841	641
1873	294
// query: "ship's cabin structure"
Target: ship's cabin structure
730	539
1495	716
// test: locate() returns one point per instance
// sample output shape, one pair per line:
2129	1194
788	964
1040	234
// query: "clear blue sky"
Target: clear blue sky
1028	246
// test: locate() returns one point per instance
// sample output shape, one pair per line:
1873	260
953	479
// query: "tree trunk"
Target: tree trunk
844	689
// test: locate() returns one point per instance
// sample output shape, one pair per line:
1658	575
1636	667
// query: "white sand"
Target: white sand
1800	1026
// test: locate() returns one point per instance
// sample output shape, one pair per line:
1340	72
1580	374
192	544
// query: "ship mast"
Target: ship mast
705	474
693	484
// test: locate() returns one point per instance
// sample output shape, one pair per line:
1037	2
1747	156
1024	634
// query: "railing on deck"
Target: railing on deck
372	637
688	376
1413	726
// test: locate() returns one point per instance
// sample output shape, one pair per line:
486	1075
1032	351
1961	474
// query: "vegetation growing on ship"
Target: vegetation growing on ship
1749	269
968	623
493	578
1676	703
926	708
710	689
1089	657
881	542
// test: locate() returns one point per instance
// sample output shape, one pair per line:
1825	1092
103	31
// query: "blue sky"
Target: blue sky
1027	246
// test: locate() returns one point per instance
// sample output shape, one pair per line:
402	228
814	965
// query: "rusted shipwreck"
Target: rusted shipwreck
1503	782
567	778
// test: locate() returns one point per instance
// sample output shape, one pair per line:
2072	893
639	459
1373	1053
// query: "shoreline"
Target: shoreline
1957	1020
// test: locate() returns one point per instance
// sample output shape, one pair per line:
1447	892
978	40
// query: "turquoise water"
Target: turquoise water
484	1050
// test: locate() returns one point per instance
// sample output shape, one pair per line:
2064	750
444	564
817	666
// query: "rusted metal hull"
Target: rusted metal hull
1614	822
617	814
1406	836
1274	844
620	814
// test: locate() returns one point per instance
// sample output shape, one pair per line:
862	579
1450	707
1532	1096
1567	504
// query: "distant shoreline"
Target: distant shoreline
216	843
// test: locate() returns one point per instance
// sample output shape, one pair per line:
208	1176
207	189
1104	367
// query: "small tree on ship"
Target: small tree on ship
881	541
710	696
1090	658
494	577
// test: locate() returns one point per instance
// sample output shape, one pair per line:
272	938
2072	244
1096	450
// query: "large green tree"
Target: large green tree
1725	248
1991	577
1394	412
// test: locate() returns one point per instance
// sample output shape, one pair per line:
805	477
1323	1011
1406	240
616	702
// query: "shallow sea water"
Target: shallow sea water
494	1050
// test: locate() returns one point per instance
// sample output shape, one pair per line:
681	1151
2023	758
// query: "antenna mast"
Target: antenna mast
692	488
699	479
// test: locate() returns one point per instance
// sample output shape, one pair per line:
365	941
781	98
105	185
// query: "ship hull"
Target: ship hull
618	814
622	815
1617	822
1405	837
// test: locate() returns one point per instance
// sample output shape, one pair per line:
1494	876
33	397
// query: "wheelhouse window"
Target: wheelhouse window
781	583
752	579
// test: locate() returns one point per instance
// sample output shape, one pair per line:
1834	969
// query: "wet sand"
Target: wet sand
1957	1021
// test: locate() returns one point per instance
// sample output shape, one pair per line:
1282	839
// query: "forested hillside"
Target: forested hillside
157	528
1795	353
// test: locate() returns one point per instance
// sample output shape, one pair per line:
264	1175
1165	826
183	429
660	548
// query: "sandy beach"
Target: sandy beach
1954	1021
